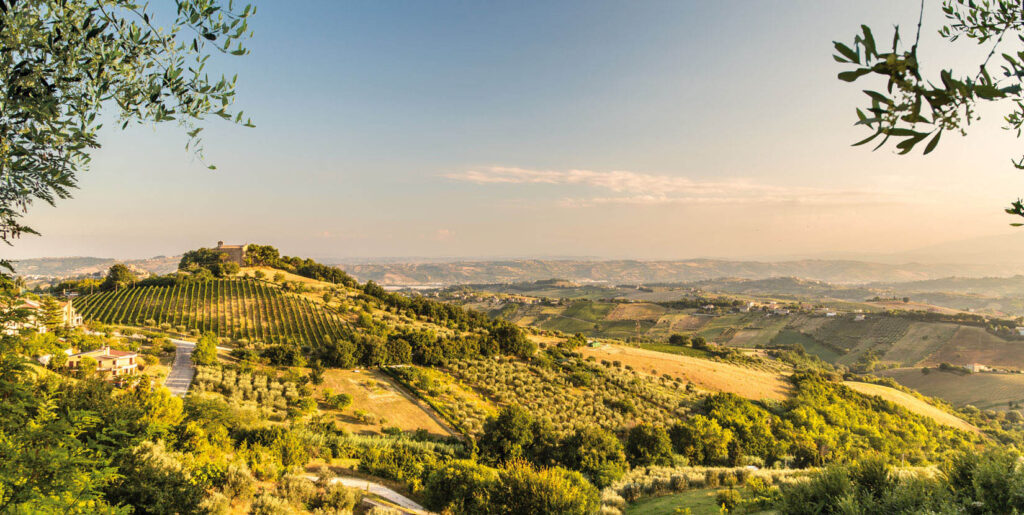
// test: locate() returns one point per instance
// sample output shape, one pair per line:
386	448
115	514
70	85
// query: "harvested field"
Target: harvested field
913	404
638	311
712	375
983	390
386	403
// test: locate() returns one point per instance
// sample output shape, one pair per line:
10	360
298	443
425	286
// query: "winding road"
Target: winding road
180	377
376	489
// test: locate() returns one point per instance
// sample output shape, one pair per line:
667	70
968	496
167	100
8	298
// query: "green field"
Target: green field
811	346
921	341
231	308
700	502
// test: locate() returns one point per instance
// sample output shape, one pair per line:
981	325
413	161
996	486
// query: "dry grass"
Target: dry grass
913	404
385	402
983	390
711	375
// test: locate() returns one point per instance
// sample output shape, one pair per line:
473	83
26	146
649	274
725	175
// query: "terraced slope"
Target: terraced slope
234	308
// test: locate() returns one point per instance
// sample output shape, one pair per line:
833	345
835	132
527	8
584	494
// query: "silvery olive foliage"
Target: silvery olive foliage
67	64
915	106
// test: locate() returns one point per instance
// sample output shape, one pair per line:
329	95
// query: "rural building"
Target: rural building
830	313
70	317
114	362
33	321
977	367
235	253
858	318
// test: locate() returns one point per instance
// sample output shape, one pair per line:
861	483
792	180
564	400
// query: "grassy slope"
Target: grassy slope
921	340
378	395
700	502
984	391
975	345
913	404
712	375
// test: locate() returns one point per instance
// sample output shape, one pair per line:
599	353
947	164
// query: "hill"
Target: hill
638	272
230	308
913	404
64	267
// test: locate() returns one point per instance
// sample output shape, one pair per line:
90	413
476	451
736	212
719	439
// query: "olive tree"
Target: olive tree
65	63
918	104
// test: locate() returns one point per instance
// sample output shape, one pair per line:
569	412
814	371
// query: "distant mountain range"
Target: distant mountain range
63	267
634	272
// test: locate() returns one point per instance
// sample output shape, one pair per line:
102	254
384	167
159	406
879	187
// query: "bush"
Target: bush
728	499
648	445
461	487
267	504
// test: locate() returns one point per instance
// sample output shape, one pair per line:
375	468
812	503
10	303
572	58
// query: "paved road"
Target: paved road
180	377
376	489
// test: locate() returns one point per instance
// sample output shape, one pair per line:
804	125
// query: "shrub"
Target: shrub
728	499
267	504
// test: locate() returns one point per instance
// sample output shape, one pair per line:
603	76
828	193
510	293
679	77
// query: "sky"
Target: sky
608	129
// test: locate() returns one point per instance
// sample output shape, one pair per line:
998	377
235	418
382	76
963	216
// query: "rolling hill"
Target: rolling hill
231	308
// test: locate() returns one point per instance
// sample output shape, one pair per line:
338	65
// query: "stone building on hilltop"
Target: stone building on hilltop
235	253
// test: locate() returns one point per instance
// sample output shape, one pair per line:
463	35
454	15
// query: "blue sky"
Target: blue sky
611	129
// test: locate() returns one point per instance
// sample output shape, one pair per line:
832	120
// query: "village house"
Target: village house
977	367
111	361
34	319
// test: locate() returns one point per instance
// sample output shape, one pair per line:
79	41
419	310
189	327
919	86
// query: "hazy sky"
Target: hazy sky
615	129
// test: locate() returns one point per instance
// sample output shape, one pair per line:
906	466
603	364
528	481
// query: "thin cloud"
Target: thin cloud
649	189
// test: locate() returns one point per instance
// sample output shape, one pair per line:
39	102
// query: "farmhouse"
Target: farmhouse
977	367
235	253
114	362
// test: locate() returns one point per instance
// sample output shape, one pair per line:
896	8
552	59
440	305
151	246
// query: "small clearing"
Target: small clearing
385	403
712	375
913	404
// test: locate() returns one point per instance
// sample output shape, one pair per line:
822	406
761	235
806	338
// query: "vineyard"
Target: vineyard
231	308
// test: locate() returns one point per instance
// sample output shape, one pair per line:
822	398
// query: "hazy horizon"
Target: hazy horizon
604	129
